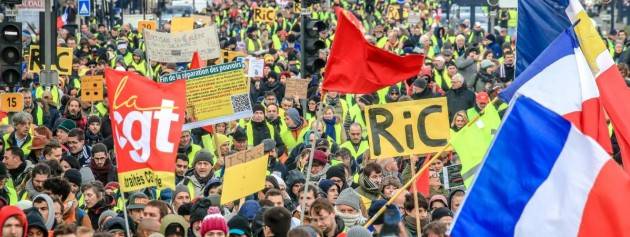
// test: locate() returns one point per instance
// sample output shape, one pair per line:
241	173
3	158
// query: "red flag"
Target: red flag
422	183
147	120
356	66
195	63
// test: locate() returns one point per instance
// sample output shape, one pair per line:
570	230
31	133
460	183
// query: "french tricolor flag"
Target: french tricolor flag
540	22
561	80
542	176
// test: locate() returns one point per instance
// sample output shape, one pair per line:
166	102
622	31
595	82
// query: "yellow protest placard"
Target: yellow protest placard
64	60
406	128
245	167
149	25
91	88
214	94
393	12
11	102
262	14
181	24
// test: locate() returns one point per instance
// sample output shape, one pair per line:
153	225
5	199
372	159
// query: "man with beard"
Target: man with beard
181	165
200	175
101	165
35	185
186	146
77	148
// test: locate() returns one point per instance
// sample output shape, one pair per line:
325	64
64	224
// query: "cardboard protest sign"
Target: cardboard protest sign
179	47
393	12
182	24
214	94
149	25
264	15
296	87
406	128
11	102
147	119
64	60
255	67
91	88
245	174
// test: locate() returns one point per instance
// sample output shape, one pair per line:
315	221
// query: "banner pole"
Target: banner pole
414	190
122	194
424	167
406	186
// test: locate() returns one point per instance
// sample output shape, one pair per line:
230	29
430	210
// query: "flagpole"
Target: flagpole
414	190
310	158
122	194
424	167
406	186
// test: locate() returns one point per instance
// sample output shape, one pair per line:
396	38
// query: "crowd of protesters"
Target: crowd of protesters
58	173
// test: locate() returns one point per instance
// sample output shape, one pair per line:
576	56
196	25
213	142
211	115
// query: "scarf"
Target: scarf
350	220
368	185
202	180
330	128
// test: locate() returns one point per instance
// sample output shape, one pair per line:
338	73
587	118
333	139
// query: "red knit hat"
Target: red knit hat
213	221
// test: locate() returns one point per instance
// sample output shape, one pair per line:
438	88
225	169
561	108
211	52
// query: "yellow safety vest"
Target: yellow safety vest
11	191
250	132
26	147
54	91
363	146
442	78
290	141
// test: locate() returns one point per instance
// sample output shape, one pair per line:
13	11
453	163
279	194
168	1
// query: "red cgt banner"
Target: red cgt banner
147	119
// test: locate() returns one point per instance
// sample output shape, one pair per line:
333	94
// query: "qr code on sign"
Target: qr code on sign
241	103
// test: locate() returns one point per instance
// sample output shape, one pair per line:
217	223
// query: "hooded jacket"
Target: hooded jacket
172	219
50	219
9	211
35	220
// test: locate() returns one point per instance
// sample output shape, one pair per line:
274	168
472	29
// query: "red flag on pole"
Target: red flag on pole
356	66
195	62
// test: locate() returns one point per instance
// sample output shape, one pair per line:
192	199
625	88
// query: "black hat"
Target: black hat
94	119
258	107
322	144
132	201
35	220
368	99
239	225
73	176
441	212
239	134
420	82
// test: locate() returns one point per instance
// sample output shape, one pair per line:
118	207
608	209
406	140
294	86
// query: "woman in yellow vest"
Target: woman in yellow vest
459	121
333	125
